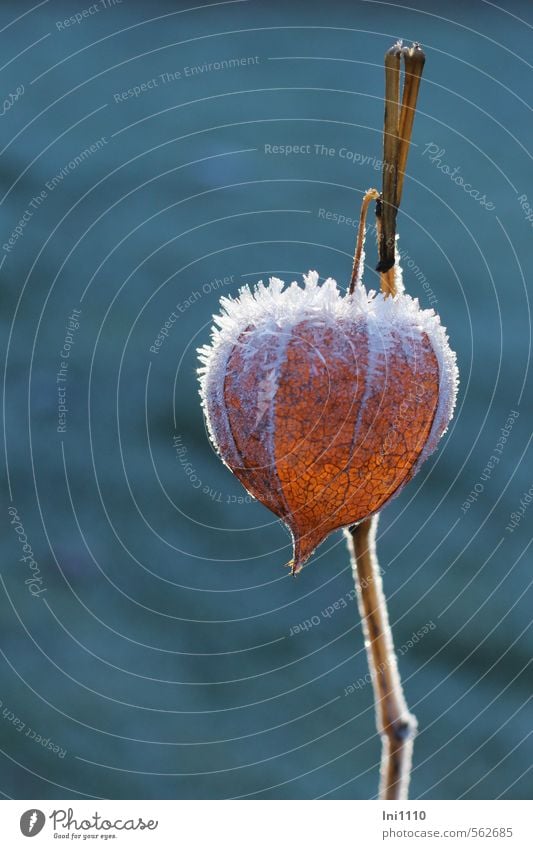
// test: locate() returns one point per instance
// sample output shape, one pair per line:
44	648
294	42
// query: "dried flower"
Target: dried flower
325	405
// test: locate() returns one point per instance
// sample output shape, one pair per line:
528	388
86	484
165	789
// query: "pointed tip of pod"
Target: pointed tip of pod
303	546
296	565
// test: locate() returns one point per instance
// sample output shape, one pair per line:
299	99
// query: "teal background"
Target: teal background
160	657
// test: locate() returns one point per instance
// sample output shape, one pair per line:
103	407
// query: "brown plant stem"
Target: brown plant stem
387	278
414	60
396	726
369	196
397	129
391	138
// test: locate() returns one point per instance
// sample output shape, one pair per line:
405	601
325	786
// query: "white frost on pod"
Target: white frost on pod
272	308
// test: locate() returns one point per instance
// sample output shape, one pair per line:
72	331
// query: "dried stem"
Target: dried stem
387	278
414	60
391	134
398	127
395	724
357	271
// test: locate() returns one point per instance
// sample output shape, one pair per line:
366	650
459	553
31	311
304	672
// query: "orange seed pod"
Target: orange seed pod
325	405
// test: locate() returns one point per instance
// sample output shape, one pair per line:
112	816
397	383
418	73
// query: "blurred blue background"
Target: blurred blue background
152	655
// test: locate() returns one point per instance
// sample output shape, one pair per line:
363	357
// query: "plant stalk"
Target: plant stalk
357	270
396	726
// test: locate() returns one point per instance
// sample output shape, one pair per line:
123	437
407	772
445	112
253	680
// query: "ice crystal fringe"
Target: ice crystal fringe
269	308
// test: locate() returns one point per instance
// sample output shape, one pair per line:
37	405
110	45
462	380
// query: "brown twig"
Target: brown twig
391	135
414	60
370	195
398	127
395	724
